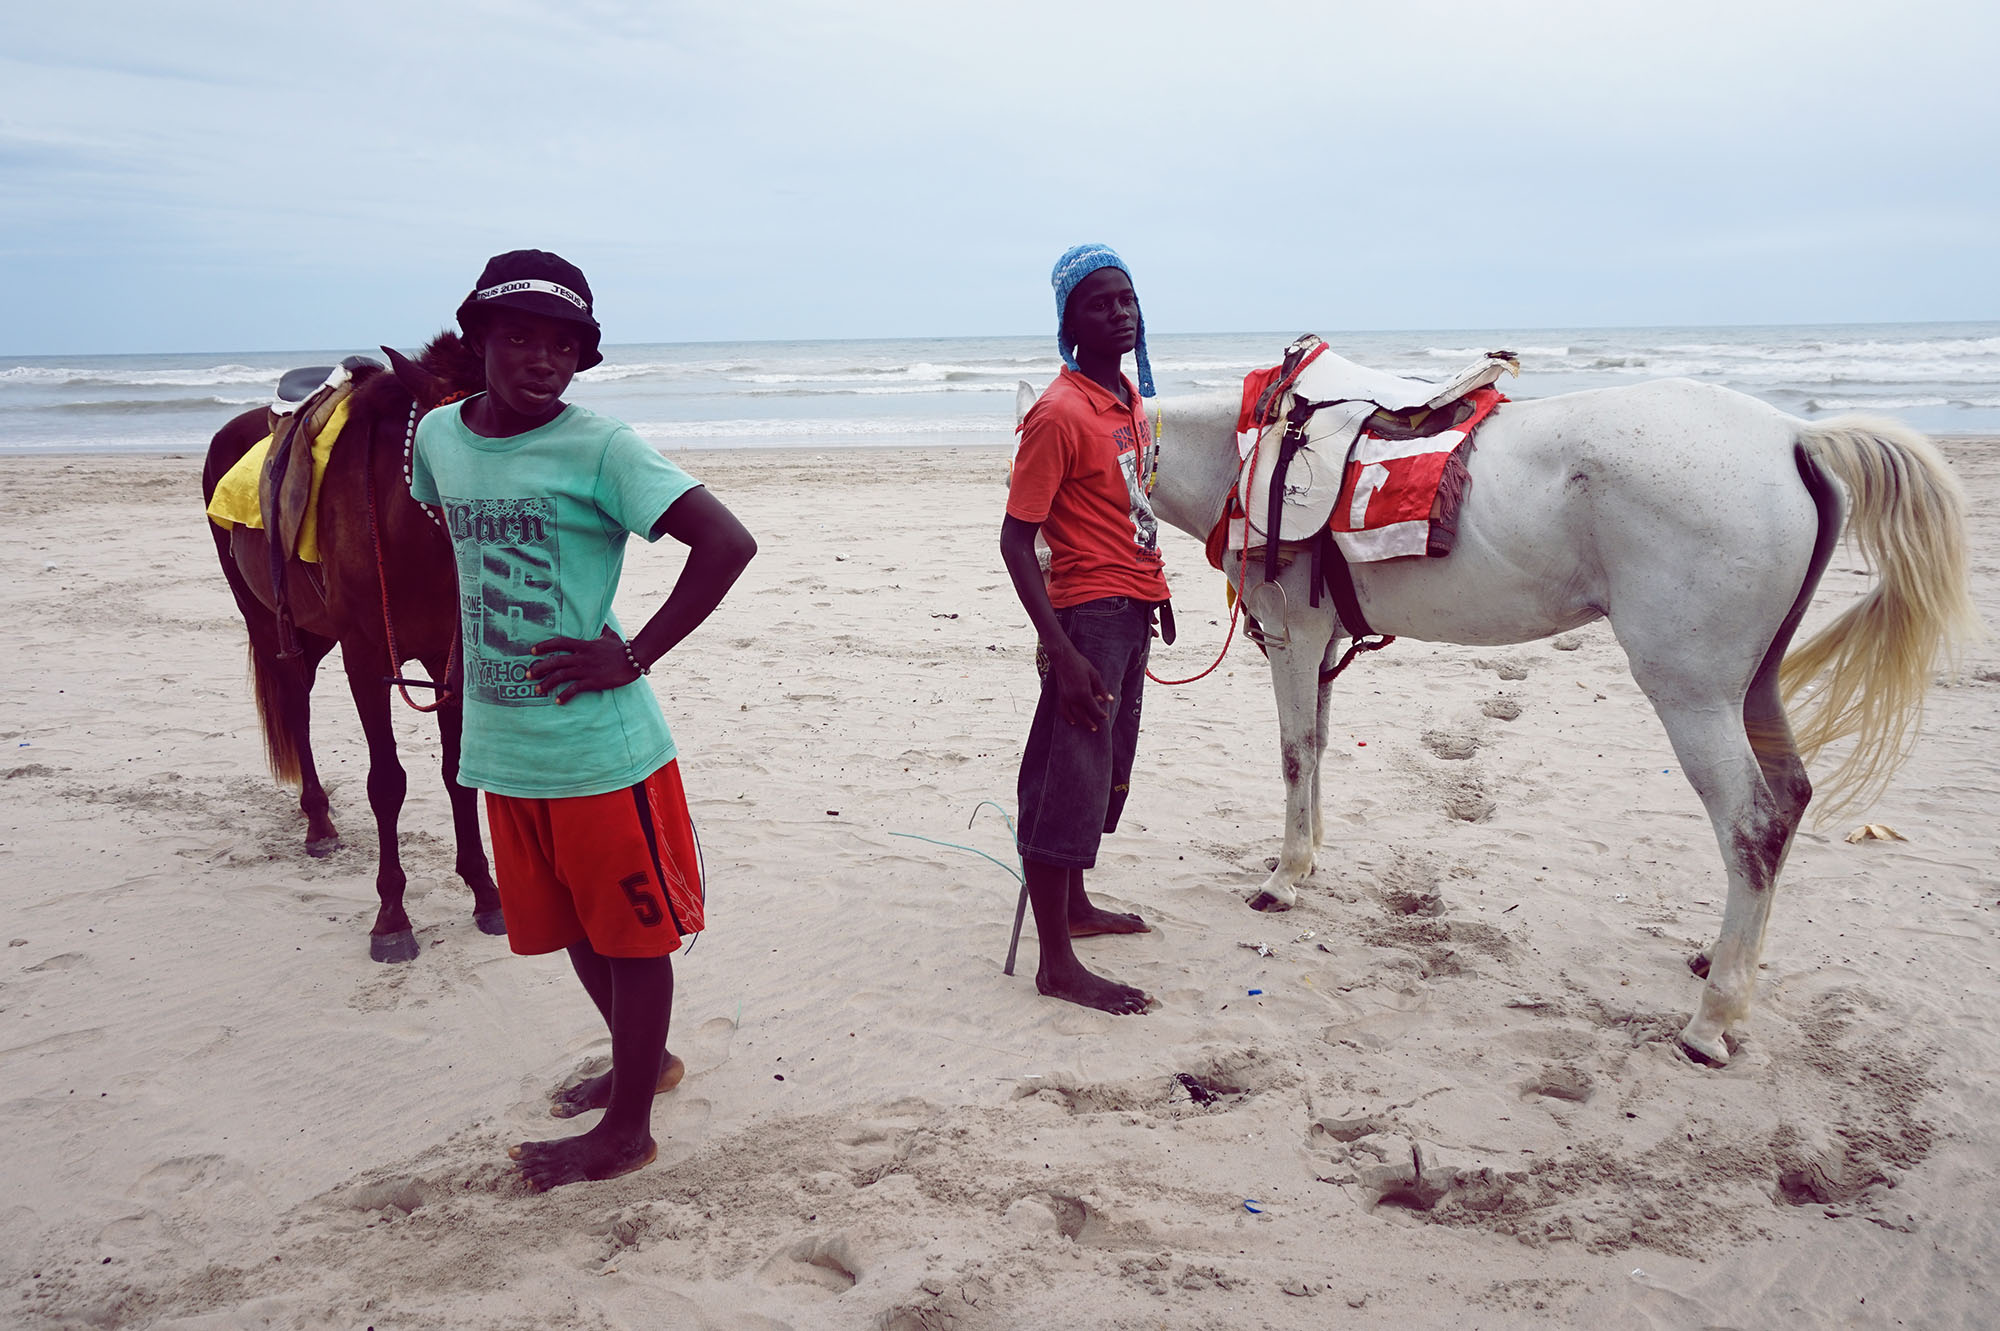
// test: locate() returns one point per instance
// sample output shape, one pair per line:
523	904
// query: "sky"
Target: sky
272	176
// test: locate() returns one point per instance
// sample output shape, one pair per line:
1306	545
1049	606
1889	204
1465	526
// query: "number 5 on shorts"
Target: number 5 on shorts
645	905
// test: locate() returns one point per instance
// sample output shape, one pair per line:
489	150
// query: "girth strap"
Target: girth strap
1329	562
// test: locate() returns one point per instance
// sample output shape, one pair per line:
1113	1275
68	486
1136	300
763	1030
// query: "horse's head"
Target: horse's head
446	369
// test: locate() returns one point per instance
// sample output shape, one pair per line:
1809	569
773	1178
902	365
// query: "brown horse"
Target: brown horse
373	537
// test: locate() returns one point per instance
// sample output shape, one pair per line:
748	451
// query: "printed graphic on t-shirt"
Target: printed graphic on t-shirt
508	592
1145	527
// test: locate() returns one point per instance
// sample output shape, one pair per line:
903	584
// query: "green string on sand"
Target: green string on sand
974	850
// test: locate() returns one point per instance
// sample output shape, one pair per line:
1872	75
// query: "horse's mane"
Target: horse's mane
445	356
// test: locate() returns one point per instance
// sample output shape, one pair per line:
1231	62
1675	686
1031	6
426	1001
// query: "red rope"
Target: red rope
1235	609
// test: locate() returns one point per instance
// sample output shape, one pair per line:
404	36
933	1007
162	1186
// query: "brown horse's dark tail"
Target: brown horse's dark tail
281	749
231	442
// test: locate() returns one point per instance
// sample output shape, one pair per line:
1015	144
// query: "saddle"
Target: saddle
302	409
289	483
1371	462
1325	403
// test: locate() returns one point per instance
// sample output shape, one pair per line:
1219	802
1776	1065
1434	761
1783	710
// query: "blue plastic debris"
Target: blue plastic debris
1251	1206
1254	992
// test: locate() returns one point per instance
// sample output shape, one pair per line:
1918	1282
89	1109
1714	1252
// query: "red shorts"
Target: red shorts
620	869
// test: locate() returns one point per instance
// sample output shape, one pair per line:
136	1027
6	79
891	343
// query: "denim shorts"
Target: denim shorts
1074	780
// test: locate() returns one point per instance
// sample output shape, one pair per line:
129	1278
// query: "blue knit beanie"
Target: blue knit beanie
1077	263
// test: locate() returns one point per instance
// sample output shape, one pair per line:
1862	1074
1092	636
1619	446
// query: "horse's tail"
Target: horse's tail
280	748
231	442
1865	674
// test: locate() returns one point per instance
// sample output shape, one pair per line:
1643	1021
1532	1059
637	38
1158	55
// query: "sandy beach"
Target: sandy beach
1445	1091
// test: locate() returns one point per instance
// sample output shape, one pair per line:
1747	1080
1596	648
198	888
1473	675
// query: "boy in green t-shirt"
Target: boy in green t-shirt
593	848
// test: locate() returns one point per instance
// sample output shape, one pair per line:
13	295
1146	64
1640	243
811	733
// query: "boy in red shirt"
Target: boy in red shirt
1078	482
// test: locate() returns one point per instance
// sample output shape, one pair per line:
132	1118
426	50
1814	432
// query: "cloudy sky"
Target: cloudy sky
268	176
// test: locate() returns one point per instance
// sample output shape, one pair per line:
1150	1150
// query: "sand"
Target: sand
1447	1083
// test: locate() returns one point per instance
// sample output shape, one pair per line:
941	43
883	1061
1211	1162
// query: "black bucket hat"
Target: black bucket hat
535	282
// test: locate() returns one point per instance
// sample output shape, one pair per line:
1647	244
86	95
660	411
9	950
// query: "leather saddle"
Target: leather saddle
304	401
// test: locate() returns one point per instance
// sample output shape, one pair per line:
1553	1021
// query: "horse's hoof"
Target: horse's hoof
1266	901
323	847
1698	963
1705	1053
393	947
490	921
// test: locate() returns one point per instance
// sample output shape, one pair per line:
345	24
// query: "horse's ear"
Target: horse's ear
423	386
1024	397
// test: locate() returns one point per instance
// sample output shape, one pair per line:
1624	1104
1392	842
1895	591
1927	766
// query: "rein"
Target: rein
1356	645
1235	602
404	686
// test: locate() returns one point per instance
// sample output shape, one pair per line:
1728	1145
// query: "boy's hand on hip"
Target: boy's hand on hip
581	665
1080	690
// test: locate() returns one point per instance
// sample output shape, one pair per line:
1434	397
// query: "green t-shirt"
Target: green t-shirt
538	523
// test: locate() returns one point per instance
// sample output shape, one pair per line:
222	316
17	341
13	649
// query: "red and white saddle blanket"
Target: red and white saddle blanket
1382	464
1400	496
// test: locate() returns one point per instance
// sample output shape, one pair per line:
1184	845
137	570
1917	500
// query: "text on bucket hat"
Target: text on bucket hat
536	282
1077	263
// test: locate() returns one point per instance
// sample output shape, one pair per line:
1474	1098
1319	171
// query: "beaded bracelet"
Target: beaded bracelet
633	660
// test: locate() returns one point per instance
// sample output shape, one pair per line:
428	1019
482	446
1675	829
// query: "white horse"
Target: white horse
1698	521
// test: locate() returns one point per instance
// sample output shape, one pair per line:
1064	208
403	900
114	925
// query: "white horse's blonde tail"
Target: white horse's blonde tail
1865	674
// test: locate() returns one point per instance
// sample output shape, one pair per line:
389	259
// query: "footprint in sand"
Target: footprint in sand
1501	709
133	1234
1506	667
708	1048
184	1174
1453	745
1562	1082
1468	802
61	961
826	1261
680	1125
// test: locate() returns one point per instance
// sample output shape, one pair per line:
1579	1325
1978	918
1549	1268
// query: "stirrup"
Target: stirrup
1265	605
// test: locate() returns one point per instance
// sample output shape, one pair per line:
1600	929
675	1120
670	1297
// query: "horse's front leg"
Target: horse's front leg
391	939
471	864
1325	724
1295	672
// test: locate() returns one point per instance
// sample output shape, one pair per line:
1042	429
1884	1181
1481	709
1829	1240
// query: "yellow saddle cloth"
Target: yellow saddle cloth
235	499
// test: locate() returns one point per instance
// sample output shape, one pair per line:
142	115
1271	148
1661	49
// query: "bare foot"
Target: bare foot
1091	922
595	1092
594	1155
1092	990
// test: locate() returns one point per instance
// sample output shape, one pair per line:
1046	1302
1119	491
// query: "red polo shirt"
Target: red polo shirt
1077	473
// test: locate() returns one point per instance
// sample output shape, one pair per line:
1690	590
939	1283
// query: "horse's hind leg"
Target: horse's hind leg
1756	845
471	865
321	838
1736	752
283	690
284	700
391	939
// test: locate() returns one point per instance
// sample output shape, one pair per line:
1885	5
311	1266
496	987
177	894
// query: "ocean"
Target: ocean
1943	378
